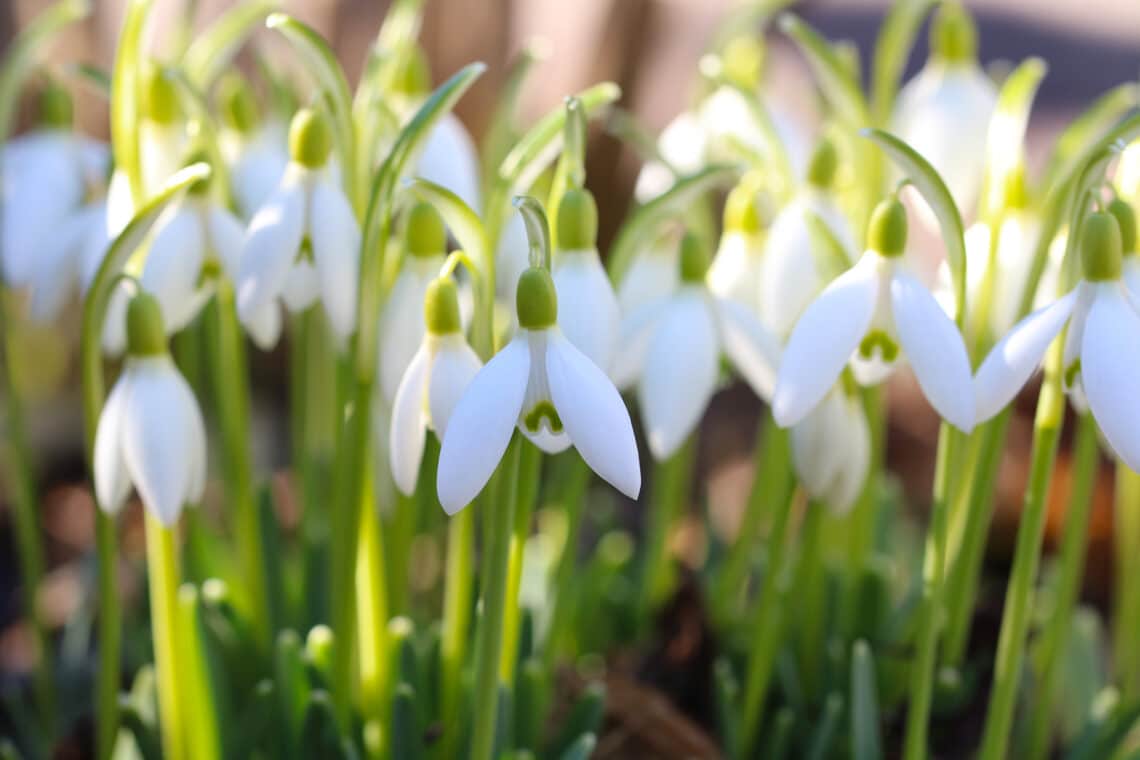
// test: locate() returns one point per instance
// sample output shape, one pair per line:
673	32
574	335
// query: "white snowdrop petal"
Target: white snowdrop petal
1010	364
257	171
57	271
112	480
409	424
790	277
1110	366
336	250
115	320
454	368
680	372
271	246
813	456
736	270
635	333
196	441
856	459
935	350
264	327
450	159
652	277
402	320
824	339
593	415
481	425
302	288
588	311
753	350
174	265
158	423
226	237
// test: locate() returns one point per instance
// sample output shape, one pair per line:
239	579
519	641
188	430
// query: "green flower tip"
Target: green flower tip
886	232
55	107
953	34
1101	247
424	233
694	258
441	307
743	61
411	72
310	138
237	104
824	164
577	220
1125	217
146	334
160	97
743	210
536	300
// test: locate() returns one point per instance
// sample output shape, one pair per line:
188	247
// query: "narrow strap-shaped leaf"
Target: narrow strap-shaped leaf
292	686
197	110
924	177
581	749
211	51
826	728
866	743
727	693
841	90
1006	137
585	717
778	743
640	226
501	133
407	735
1105	112
830	254
892	49
125	95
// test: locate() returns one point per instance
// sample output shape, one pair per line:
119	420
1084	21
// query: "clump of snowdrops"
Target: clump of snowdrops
464	363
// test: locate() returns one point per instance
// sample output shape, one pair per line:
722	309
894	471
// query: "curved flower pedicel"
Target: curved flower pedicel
402	319
1101	362
831	449
150	432
672	350
944	112
591	317
551	391
790	275
866	316
304	243
432	385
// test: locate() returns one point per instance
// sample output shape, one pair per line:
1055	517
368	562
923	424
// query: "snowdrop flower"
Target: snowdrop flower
831	449
150	432
673	349
736	271
653	274
1130	268
791	276
402	318
547	388
1100	357
591	317
257	152
870	315
196	242
49	205
162	136
304	243
944	112
432	385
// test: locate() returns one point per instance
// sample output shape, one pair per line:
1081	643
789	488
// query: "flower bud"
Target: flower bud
1125	217
824	164
441	307
160	97
310	138
55	107
237	104
886	232
953	35
536	300
694	258
577	220
424	233
1100	247
146	334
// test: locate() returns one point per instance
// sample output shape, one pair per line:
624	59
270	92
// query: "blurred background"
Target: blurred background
650	48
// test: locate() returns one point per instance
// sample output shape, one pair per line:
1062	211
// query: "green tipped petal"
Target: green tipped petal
886	232
577	220
1101	247
310	138
536	300
441	307
953	34
424	233
146	335
694	258
1125	217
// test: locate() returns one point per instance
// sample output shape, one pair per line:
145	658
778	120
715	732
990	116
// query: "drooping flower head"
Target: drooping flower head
1100	362
150	433
550	391
256	150
433	383
163	140
737	269
672	350
944	112
872	316
831	448
304	243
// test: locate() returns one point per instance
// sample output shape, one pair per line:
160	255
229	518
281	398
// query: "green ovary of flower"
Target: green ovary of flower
536	300
543	410
1101	247
694	258
146	335
441	307
160	97
577	220
887	230
310	138
424	233
953	35
55	107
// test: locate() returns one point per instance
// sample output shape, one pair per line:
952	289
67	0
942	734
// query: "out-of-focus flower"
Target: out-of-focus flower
737	267
304	243
652	276
257	151
831	449
150	433
869	316
547	388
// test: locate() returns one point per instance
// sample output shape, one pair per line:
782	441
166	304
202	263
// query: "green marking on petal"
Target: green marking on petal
543	410
888	349
1071	373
